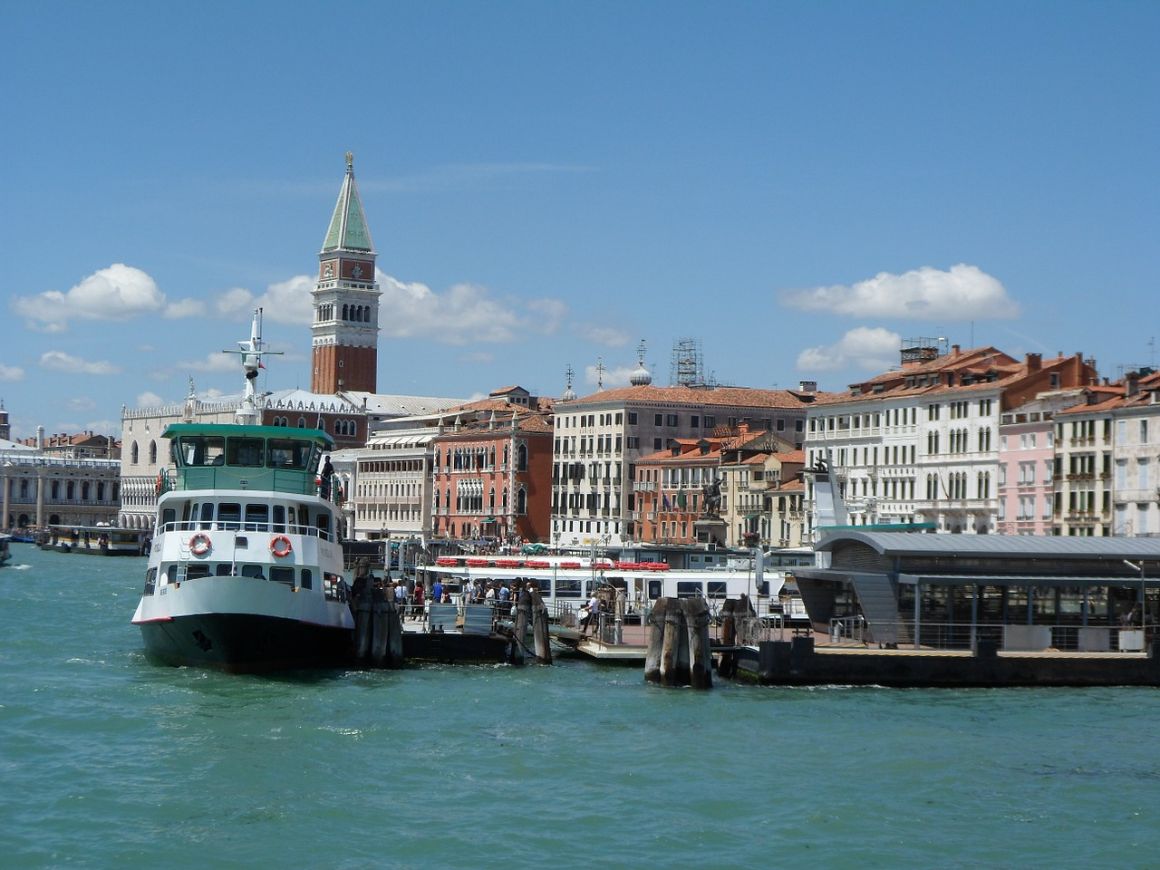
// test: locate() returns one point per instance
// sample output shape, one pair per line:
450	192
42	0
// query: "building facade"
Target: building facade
492	479
920	444
600	438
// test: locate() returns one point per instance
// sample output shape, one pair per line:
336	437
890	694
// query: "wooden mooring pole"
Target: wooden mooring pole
678	651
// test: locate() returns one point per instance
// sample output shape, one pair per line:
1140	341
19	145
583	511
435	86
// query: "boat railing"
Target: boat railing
848	628
1017	637
272	528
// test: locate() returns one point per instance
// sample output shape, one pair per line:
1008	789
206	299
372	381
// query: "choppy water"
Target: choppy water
107	760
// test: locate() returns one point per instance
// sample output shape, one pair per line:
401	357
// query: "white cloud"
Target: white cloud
548	314
11	373
59	361
184	308
287	301
865	348
149	400
116	293
614	377
82	403
480	357
212	362
961	293
466	313
212	393
609	336
235	303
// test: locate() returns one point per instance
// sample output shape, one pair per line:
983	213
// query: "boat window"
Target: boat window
186	509
716	589
168	517
246	452
282	575
568	587
689	588
279	518
229	515
199	450
654	590
286	453
196	570
307	579
206	516
303	520
254	571
257	517
324	524
171	574
225	569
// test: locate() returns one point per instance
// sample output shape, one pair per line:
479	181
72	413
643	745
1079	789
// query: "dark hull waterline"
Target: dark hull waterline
244	643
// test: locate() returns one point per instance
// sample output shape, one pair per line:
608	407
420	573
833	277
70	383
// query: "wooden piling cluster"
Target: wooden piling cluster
530	609
378	629
678	644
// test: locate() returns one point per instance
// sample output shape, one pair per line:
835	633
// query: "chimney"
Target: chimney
1132	384
1034	362
39	437
807	386
954	350
743	428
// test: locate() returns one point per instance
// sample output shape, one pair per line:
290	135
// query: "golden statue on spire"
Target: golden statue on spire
349	161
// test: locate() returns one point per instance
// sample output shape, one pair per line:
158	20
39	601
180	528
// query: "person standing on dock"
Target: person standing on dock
437	591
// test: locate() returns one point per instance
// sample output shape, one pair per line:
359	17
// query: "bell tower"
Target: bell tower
345	333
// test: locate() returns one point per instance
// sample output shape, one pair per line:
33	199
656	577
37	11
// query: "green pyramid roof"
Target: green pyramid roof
348	226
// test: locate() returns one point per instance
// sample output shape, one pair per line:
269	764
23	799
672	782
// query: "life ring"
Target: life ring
200	544
280	546
158	484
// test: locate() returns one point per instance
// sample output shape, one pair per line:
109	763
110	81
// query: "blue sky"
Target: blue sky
799	186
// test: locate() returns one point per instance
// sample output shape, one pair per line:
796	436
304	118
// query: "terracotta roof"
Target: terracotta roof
987	368
792	456
738	397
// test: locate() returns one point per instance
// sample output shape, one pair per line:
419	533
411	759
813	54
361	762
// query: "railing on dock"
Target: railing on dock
1064	637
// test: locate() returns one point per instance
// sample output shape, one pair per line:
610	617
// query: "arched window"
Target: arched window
301	422
152	452
55	490
133	453
522	457
85	491
100	490
522	501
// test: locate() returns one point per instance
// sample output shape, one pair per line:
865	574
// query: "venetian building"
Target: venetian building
346	300
64	485
599	439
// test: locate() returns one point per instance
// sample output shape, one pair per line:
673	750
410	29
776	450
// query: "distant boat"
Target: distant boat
97	540
4	551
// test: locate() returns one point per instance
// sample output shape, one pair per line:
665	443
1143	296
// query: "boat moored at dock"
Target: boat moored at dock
245	568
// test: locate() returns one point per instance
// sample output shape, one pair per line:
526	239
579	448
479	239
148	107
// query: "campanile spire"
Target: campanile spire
346	299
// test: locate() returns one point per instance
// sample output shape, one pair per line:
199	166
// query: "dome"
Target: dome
642	377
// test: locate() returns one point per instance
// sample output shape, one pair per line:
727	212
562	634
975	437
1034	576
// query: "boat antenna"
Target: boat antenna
251	353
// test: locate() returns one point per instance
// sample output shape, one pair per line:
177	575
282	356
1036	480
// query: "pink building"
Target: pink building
1026	461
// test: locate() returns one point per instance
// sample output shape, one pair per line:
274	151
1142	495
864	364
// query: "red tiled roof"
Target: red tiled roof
737	397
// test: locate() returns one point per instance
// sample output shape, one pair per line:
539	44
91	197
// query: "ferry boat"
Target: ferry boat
100	540
566	582
245	568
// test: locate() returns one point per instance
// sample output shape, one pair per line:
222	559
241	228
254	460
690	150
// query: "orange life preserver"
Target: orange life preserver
158	484
200	544
280	546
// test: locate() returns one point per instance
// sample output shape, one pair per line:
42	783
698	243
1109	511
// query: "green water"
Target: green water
107	760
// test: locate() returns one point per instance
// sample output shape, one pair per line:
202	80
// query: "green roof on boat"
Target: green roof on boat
237	431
